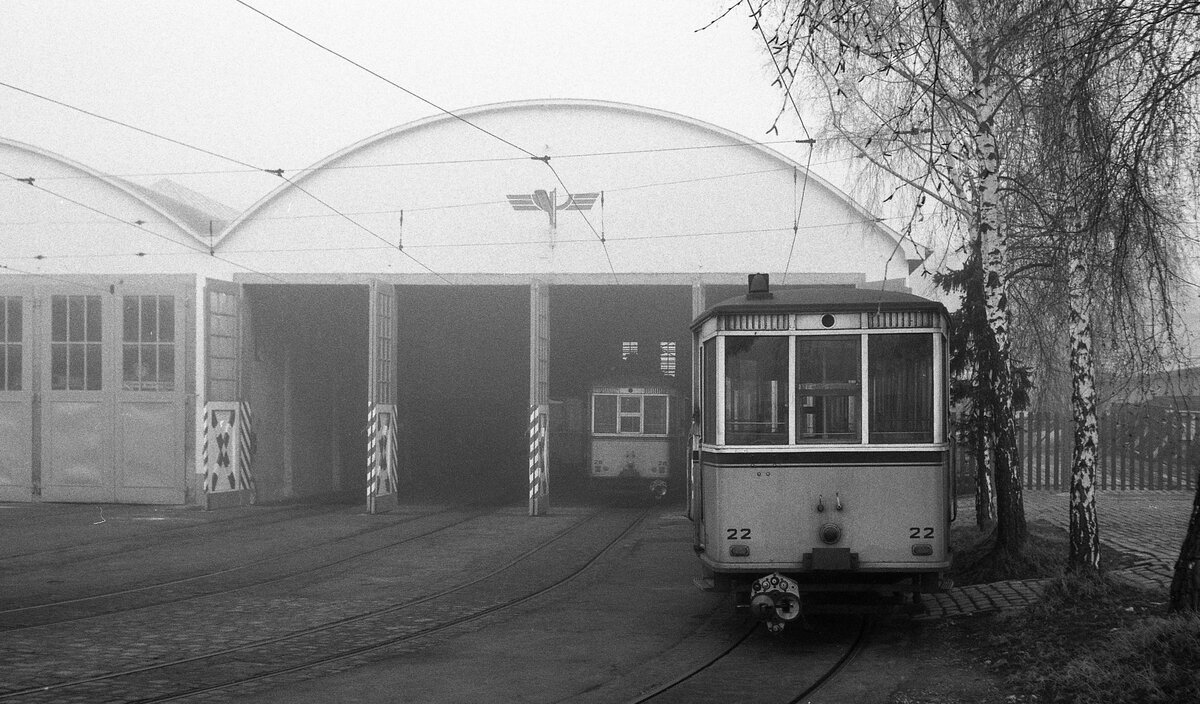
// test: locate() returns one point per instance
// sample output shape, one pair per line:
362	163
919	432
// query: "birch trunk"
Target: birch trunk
1185	584
985	494
1084	551
1010	508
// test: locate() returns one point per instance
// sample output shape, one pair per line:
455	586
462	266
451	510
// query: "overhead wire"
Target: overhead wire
798	203
51	277
443	206
545	159
128	126
511	243
135	224
787	89
434	162
385	79
275	172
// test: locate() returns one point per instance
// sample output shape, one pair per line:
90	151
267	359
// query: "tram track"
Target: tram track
542	568
756	673
211	583
102	543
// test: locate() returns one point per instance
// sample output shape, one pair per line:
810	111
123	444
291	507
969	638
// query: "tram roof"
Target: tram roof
822	299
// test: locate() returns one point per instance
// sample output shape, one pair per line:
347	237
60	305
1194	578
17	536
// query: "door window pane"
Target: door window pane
148	355
828	389
11	341
900	372
756	394
76	357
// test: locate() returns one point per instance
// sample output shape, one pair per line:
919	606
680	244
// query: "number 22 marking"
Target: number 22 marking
732	533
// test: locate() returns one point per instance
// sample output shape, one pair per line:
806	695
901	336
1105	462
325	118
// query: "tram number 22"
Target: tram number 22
920	533
737	534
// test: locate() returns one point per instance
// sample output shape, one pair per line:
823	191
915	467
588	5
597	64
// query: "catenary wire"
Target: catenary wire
390	82
785	85
545	159
276	172
196	250
683	235
51	277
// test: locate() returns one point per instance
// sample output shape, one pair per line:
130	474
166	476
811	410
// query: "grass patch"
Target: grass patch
1044	557
976	563
1089	639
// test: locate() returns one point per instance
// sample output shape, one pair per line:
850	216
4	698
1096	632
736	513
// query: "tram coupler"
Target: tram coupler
775	600
658	490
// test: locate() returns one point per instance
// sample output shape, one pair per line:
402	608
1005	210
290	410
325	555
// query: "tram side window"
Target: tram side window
828	389
900	373
655	421
708	390
604	413
629	417
756	393
11	339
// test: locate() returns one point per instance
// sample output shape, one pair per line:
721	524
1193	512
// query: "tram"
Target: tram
634	438
821	463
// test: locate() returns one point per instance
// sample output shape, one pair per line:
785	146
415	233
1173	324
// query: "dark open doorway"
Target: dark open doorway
306	378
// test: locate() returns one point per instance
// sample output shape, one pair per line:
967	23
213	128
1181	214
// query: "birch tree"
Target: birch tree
921	89
1113	111
1087	103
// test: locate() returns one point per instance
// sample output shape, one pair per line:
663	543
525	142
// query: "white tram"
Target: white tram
821	462
634	437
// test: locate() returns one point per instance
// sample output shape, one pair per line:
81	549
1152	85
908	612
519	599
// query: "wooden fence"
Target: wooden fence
1140	448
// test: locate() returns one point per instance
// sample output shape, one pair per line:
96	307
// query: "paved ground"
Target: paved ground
1146	525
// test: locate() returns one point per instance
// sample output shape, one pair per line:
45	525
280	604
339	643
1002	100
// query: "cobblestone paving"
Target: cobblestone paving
1147	526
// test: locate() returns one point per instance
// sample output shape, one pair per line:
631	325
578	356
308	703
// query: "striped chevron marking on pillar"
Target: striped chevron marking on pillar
393	462
536	439
204	420
227	446
382	457
245	453
373	473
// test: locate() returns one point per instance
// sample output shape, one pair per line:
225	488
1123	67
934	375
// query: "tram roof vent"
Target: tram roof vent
758	286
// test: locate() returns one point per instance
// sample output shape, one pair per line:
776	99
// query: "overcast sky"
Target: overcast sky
218	75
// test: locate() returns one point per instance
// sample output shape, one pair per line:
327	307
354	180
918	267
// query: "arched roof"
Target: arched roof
132	190
532	107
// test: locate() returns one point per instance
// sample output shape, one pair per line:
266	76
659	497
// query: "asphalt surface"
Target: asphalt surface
630	621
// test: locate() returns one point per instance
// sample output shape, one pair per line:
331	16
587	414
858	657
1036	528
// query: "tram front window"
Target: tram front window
828	389
756	393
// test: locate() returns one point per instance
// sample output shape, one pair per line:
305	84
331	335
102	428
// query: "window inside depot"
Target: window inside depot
667	358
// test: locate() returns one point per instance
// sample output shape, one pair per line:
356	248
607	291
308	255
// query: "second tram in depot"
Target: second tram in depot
634	437
821	463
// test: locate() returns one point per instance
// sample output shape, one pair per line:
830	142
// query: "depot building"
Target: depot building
415	315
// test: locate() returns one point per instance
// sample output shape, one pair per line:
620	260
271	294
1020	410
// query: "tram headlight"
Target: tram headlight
830	533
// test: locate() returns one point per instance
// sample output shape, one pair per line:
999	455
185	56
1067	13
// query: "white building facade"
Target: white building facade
445	282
